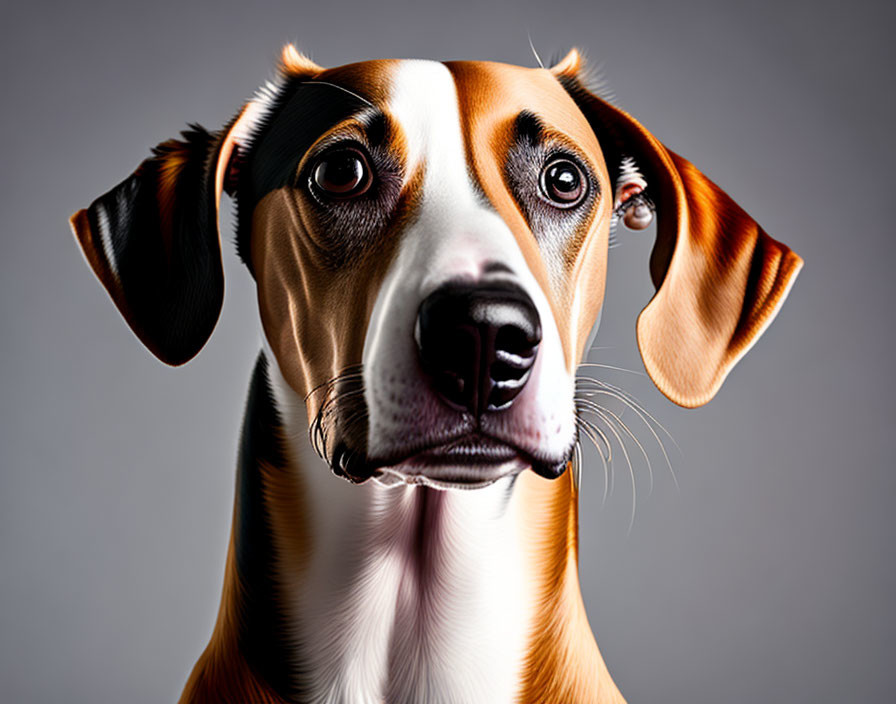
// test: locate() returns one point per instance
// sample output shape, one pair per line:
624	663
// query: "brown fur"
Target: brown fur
563	662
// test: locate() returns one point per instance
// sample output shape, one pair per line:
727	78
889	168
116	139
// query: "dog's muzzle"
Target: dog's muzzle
477	344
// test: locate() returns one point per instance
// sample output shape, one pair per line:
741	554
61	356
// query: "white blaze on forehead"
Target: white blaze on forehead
423	100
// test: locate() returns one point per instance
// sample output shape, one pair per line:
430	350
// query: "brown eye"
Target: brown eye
563	183
342	173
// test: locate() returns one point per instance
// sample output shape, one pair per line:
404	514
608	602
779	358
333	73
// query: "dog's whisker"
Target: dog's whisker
591	431
534	52
623	396
624	426
641	414
341	389
342	88
338	396
646	417
581	449
355	416
637	442
600	412
609	366
577	465
350	372
597	433
635	404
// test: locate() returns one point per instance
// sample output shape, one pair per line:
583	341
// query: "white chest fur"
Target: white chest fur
409	594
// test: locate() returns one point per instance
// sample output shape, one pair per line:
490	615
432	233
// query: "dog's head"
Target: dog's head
429	242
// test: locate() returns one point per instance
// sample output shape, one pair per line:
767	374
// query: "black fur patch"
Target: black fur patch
302	112
263	623
161	223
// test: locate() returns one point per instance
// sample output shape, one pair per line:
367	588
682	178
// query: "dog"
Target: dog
429	243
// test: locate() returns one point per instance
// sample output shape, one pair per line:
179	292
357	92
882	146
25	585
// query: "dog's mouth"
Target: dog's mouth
464	456
471	461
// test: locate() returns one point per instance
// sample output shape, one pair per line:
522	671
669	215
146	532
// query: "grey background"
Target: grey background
769	577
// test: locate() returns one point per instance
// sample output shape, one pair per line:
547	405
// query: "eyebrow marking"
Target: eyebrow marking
529	127
376	127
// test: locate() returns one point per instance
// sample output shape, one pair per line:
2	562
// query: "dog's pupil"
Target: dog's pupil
563	182
563	178
340	173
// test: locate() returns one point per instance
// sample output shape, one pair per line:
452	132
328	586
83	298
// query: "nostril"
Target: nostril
515	340
505	372
515	350
509	366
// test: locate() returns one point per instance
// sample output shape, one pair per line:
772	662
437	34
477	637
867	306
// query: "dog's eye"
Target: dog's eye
342	173
563	183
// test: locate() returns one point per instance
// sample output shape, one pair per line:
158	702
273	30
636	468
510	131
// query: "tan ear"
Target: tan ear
153	241
720	278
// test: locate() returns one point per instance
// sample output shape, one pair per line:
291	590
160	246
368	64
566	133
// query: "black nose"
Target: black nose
478	343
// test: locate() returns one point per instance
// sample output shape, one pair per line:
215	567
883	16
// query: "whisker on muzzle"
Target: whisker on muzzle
598	423
594	434
342	408
590	405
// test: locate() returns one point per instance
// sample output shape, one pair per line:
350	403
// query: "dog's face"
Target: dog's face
439	180
429	243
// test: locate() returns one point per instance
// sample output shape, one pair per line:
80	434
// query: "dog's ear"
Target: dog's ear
720	278
153	241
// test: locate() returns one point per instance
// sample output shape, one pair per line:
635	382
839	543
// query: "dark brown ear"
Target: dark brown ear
720	278
153	242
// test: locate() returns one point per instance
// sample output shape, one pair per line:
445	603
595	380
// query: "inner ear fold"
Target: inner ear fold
720	278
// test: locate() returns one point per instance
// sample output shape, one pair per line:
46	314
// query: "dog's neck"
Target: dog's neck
369	593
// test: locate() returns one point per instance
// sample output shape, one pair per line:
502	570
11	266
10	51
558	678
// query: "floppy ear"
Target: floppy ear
153	242
720	278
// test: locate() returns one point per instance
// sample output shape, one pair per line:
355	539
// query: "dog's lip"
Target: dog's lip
469	461
469	449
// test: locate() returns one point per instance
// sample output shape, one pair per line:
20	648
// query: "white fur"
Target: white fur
102	224
382	619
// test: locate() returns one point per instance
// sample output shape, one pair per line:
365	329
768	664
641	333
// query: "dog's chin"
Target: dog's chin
470	462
